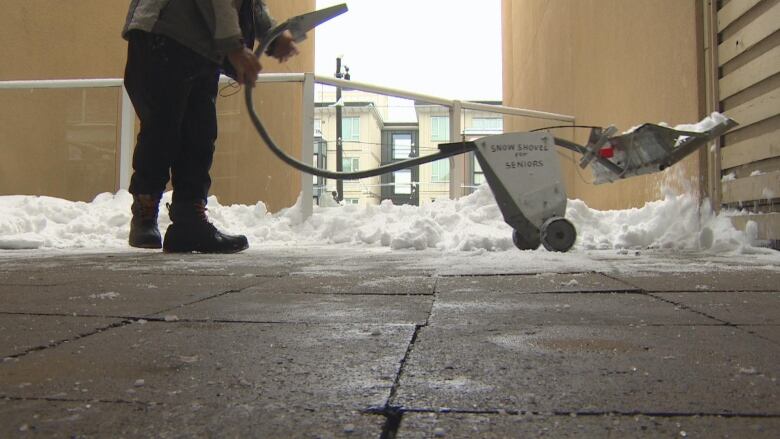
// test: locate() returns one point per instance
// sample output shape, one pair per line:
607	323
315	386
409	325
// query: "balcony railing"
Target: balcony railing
126	122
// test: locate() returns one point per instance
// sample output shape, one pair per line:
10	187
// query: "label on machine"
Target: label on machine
526	165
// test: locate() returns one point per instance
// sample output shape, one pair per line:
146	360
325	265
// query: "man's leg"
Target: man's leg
158	87
191	230
190	168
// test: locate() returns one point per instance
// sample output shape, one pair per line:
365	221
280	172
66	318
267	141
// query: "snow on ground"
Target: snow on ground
464	236
471	223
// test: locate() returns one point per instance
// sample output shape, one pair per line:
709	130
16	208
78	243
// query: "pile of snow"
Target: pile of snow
676	222
706	124
703	125
470	223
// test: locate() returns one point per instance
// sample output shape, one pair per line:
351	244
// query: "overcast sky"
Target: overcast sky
447	48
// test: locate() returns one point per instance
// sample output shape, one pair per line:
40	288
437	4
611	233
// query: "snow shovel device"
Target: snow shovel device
522	169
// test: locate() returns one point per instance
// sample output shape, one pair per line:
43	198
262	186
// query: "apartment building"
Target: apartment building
371	138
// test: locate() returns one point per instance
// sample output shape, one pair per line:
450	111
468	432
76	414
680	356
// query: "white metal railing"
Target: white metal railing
308	80
465	105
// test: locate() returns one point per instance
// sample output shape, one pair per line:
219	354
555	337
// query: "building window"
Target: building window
317	127
440	128
350	164
492	124
402	182
350	128
479	175
354	201
402	145
440	171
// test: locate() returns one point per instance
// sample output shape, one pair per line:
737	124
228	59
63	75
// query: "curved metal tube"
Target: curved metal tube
392	167
305	167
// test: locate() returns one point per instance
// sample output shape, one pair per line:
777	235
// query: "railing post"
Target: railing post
126	140
307	147
457	163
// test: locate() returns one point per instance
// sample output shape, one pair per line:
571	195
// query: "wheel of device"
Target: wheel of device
558	234
525	244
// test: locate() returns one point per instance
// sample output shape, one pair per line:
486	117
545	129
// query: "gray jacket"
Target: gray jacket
208	27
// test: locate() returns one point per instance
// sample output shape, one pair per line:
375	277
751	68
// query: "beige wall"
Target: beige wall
60	143
621	62
43	39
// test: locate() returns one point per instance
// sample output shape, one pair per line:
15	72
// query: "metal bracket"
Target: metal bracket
598	138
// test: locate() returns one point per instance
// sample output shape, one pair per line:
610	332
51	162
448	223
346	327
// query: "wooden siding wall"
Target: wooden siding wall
748	63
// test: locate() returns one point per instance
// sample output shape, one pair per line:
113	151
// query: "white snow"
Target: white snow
675	222
703	125
471	223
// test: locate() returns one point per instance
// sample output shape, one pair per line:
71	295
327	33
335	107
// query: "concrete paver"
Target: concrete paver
511	310
359	283
297	366
533	283
769	332
426	425
736	308
153	262
22	333
256	305
324	342
736	280
650	369
40	418
115	294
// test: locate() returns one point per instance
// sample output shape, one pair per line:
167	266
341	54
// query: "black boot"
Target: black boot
191	231
143	227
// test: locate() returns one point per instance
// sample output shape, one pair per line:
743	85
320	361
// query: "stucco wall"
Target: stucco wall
40	130
621	62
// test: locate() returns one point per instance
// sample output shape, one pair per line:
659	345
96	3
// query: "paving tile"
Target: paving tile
736	280
738	308
116	294
532	283
426	425
20	333
405	265
38	418
282	366
511	309
353	284
654	369
769	332
62	268
256	305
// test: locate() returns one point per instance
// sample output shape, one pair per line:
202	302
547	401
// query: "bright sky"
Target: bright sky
447	48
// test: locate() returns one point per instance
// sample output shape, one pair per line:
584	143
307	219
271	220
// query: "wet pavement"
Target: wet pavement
333	342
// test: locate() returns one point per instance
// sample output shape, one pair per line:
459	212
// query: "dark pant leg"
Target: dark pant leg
190	168
160	76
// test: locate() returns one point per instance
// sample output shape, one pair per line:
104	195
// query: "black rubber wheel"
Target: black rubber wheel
524	244
558	234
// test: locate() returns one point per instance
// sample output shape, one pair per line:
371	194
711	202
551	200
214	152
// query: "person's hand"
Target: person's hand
246	64
284	47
